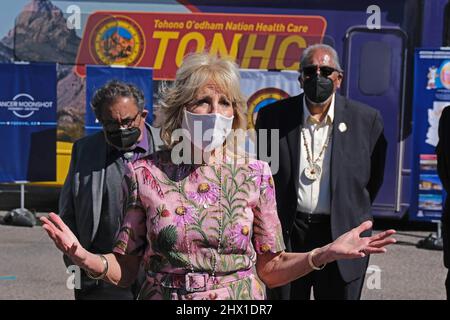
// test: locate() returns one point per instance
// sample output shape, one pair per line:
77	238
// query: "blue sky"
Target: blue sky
11	8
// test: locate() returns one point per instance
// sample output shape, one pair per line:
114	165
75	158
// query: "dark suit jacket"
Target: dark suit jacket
443	166
81	199
357	166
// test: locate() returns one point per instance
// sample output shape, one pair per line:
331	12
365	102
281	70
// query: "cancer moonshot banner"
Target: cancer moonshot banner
27	122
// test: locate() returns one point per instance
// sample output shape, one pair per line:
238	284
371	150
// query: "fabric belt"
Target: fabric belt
197	281
313	217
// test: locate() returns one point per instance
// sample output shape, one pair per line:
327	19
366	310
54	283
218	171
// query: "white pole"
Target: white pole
439	233
22	196
22	193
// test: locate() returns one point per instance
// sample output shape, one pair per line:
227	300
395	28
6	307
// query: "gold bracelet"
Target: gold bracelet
105	270
311	263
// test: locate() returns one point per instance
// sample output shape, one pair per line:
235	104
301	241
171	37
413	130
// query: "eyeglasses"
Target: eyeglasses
325	71
111	125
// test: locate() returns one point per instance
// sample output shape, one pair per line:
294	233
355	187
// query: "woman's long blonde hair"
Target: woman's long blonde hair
197	70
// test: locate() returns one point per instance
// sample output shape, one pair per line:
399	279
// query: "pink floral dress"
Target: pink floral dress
176	215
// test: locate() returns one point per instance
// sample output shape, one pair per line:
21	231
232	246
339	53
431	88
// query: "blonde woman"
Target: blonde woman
206	230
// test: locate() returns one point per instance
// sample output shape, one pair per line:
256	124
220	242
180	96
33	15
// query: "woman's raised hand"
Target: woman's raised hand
351	246
64	238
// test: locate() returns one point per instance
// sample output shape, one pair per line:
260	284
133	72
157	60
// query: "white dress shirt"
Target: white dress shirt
315	196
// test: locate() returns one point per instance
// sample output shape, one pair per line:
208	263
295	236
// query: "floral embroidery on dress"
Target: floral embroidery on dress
239	236
268	188
184	215
149	179
175	209
257	168
207	193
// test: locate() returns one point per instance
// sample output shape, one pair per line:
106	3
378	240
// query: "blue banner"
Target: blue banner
431	95
98	76
27	122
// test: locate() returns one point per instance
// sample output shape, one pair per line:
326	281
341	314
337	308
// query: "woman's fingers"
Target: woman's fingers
366	225
46	221
50	232
55	234
383	243
382	235
58	222
356	254
382	239
62	232
55	238
363	246
372	250
50	225
377	247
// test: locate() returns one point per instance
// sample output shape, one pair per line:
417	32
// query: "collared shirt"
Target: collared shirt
315	196
140	149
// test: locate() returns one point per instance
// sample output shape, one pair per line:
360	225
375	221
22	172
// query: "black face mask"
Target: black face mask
123	139
318	88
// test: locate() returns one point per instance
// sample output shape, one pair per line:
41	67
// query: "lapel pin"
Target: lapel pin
342	127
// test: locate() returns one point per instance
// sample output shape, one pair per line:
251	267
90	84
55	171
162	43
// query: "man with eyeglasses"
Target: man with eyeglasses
91	201
332	154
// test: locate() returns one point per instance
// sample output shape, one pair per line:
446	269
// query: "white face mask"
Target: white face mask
207	131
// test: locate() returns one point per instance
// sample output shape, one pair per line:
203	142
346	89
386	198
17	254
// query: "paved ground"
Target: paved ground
407	272
29	255
32	268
